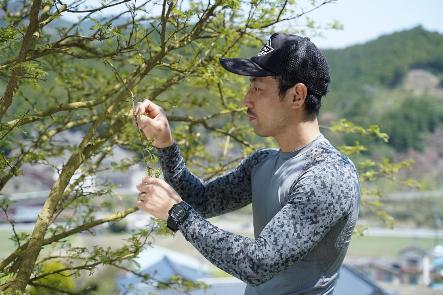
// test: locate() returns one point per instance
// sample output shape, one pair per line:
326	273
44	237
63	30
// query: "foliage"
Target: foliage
183	284
421	116
360	71
370	171
55	281
368	87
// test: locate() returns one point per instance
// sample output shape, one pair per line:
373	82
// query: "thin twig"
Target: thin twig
17	239
94	9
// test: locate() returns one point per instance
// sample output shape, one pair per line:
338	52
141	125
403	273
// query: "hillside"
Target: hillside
360	72
395	81
389	80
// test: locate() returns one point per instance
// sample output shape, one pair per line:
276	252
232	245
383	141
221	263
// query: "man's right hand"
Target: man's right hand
151	119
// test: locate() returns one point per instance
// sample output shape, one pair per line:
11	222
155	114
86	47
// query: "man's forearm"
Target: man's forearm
236	255
220	195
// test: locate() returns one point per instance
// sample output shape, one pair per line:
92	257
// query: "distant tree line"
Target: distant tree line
363	75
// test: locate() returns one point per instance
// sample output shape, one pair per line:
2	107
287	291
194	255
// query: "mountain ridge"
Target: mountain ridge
381	63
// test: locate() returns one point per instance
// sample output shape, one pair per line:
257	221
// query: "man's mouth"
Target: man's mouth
251	115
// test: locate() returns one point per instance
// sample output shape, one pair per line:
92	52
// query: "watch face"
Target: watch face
178	213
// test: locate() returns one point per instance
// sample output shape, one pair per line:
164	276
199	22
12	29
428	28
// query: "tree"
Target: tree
86	75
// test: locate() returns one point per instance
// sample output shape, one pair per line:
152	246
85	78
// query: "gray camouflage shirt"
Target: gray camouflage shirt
305	207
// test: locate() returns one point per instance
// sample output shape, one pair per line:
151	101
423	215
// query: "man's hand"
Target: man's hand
156	197
151	119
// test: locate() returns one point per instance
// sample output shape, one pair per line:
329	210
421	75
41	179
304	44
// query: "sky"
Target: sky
365	20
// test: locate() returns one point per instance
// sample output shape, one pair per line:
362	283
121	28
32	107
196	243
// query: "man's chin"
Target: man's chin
260	133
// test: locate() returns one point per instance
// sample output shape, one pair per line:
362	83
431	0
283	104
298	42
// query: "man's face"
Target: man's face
267	112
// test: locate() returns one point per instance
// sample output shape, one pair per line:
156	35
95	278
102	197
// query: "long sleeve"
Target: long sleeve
318	200
220	195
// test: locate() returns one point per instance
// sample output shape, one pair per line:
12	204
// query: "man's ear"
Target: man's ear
298	94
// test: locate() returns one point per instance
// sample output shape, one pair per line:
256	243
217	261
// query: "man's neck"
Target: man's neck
298	135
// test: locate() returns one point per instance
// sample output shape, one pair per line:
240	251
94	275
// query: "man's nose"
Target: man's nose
247	100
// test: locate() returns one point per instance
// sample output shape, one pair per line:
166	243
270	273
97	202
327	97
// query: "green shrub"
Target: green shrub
56	281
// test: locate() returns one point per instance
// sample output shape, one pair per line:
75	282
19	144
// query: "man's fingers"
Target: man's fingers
140	187
149	180
143	197
144	121
140	108
151	108
146	206
147	107
146	188
134	123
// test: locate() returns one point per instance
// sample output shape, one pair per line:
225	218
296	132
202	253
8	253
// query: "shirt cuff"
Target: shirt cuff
168	151
186	226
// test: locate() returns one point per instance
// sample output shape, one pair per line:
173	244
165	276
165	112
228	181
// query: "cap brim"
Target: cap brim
245	67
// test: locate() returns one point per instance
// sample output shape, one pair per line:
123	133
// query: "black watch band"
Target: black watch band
177	215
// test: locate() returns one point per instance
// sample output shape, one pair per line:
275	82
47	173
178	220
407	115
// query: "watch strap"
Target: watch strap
177	215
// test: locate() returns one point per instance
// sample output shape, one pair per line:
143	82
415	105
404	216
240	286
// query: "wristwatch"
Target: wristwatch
177	215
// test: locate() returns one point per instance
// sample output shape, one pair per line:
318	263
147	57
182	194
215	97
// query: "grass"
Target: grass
6	244
367	246
105	281
370	246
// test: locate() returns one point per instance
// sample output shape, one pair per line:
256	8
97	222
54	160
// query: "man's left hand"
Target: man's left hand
156	197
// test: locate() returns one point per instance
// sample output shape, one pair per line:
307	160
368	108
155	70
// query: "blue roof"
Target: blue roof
351	282
161	271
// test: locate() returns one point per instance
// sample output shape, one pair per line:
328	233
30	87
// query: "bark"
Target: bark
28	43
35	243
113	217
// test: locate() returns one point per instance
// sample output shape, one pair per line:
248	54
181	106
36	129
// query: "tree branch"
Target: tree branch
280	20
28	43
204	123
113	217
94	9
86	149
50	111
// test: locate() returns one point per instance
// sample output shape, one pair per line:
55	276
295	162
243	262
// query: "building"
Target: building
413	265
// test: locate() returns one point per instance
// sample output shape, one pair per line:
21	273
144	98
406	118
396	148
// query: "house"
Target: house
436	273
380	270
412	264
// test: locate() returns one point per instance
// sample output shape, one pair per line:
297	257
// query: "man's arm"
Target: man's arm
317	202
224	194
220	195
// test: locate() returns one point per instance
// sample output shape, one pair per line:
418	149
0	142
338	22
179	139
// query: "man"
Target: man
305	195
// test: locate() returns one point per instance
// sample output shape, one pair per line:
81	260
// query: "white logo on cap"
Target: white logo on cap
266	49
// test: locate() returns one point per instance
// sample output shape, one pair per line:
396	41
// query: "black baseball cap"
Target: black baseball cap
294	58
